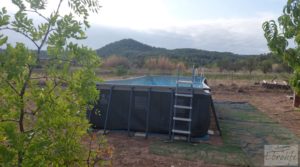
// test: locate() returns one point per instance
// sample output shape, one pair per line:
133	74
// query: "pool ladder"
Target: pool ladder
184	90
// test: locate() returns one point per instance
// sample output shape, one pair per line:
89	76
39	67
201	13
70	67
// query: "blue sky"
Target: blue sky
228	25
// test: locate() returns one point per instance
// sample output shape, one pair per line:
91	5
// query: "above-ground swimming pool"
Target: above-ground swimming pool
145	104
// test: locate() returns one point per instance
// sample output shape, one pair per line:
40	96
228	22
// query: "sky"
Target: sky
215	25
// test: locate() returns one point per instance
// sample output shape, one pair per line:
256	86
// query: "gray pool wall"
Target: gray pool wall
154	114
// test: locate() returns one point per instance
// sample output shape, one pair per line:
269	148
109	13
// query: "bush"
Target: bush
121	70
181	66
265	66
151	63
277	68
163	63
116	61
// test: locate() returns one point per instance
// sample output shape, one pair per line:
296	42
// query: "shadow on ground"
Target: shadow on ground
245	132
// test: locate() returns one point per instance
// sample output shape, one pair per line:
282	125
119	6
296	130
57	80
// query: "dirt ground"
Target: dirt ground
134	151
275	103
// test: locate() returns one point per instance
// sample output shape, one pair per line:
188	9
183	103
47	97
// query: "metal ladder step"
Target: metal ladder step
183	107
184	82
181	131
182	119
183	95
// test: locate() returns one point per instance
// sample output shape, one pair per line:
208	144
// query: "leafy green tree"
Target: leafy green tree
278	35
44	125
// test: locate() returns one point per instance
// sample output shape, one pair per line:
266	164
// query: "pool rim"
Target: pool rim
102	85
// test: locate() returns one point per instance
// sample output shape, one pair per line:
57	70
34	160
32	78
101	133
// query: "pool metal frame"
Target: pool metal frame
151	88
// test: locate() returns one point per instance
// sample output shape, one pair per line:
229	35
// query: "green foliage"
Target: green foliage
250	64
223	64
121	70
278	35
44	125
265	66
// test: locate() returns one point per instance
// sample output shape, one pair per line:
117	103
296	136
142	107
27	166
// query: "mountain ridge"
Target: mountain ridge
137	52
125	46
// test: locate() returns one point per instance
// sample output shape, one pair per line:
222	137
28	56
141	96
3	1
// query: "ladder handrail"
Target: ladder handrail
193	74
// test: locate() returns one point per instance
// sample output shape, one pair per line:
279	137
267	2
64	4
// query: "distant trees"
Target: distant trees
236	66
132	54
223	64
265	63
265	66
250	64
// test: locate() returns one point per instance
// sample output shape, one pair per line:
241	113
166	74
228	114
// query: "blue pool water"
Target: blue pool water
167	81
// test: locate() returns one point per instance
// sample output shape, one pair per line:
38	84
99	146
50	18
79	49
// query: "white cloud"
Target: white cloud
151	22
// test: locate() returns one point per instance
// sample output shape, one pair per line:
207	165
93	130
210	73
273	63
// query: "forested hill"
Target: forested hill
137	51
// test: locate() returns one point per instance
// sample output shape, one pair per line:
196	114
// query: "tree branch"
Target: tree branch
9	120
36	78
52	59
35	11
12	87
49	29
15	30
22	110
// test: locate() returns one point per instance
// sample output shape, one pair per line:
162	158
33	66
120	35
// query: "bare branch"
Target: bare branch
38	13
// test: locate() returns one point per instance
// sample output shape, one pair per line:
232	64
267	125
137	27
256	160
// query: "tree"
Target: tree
250	64
265	66
223	64
235	66
278	37
44	125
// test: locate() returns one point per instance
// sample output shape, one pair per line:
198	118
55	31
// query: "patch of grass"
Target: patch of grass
247	76
245	132
243	112
225	154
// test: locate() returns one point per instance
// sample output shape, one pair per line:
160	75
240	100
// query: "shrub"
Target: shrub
116	61
121	70
277	68
151	63
181	66
163	63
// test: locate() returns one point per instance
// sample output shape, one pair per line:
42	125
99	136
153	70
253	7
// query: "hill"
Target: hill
136	51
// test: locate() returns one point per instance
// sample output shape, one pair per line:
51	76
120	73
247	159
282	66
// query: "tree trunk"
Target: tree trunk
296	100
